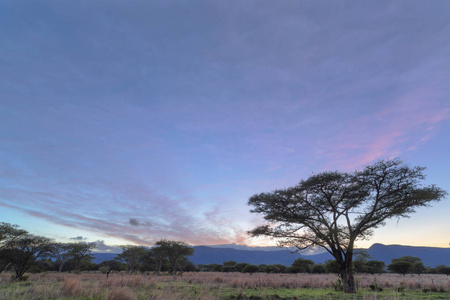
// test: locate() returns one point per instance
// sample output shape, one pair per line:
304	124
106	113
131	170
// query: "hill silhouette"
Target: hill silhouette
431	256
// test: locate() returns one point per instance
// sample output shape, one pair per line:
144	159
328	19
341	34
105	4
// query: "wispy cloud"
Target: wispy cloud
128	121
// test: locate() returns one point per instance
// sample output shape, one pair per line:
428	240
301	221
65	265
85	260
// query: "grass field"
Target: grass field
220	286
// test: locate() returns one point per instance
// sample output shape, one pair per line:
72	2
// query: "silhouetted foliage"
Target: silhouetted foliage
302	265
80	252
250	269
133	256
175	252
375	266
332	266
441	269
332	210
318	269
24	251
406	264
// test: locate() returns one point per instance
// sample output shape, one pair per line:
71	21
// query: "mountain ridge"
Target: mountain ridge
431	256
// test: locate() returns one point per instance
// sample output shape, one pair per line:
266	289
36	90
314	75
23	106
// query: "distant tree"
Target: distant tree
332	210
175	252
441	269
133	256
332	266
109	266
251	269
207	268
400	267
262	267
360	261
375	266
8	234
25	250
411	259
228	269
277	268
281	268
318	269
414	265
271	269
188	266
42	265
80	251
156	256
418	268
229	266
217	268
231	263
240	266
61	252
302	265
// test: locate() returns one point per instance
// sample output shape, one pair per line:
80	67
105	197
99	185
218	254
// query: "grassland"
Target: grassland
220	286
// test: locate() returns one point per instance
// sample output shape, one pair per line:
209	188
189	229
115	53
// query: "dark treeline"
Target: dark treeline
403	265
22	252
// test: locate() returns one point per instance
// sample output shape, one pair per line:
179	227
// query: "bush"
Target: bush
250	269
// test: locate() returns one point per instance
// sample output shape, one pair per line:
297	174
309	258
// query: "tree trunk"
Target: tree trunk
5	267
158	268
348	280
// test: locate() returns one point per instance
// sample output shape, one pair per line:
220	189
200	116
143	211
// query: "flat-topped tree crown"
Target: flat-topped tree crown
334	209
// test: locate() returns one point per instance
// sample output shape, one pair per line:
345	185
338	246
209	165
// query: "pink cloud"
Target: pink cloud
407	123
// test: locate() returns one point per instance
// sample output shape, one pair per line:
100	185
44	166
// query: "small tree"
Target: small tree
61	253
8	234
240	266
318	269
332	266
24	251
441	269
375	266
250	269
133	256
156	257
360	260
333	210
80	251
109	266
229	266
174	251
400	267
406	264
302	265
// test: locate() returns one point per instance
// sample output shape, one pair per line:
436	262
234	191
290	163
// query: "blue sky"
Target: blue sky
131	121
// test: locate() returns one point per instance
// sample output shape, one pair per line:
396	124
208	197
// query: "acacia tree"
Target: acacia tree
24	251
175	252
61	254
8	234
301	265
133	256
332	210
80	251
156	257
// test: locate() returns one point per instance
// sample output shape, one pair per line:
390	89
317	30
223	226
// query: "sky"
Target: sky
124	122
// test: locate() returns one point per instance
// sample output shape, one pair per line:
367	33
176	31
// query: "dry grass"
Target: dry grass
202	285
122	293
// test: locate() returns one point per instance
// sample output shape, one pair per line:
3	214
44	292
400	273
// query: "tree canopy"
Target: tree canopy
333	210
176	253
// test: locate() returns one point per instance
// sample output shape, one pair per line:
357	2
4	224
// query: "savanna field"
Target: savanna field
210	285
